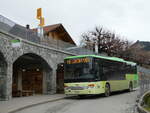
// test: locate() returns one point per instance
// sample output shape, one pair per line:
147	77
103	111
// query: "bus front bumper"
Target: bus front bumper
84	92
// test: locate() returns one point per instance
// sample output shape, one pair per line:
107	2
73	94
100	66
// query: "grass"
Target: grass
147	108
147	102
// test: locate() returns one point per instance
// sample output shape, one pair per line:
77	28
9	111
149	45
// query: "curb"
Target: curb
35	104
140	108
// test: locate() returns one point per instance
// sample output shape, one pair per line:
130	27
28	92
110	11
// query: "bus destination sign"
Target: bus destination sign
76	61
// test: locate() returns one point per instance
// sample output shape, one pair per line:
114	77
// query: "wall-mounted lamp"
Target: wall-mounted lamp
23	70
37	69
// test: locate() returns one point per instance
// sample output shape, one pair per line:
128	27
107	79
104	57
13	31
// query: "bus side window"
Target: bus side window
96	68
98	65
104	73
104	70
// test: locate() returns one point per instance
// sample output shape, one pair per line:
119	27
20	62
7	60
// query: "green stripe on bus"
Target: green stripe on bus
102	57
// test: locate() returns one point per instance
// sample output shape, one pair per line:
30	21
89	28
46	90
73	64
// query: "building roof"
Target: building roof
7	21
58	28
11	27
6	24
48	28
144	45
24	33
4	27
51	28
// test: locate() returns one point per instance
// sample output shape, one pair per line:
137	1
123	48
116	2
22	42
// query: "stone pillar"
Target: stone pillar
50	75
53	81
9	81
49	81
3	80
3	87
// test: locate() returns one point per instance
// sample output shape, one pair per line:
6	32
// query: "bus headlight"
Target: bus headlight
91	85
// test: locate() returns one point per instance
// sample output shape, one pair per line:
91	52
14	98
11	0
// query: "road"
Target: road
117	103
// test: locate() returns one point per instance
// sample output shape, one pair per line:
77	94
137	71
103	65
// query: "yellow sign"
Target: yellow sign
39	13
42	21
75	61
39	17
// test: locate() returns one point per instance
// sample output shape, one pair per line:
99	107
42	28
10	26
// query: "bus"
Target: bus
93	74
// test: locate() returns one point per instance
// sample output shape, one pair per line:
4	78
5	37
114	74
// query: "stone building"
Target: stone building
143	45
28	64
141	53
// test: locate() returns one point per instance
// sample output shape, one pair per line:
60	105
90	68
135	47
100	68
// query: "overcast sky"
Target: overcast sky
127	18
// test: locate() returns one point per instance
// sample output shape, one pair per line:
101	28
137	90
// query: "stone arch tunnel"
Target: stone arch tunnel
31	75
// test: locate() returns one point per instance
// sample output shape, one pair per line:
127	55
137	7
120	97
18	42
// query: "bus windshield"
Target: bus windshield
79	71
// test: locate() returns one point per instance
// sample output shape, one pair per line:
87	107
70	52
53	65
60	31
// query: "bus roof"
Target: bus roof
103	57
129	62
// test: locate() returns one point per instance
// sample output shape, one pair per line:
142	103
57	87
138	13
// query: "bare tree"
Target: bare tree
106	42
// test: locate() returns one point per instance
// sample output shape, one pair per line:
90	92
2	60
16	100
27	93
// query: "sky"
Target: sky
130	19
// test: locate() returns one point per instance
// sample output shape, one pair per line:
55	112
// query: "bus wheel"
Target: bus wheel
130	87
107	90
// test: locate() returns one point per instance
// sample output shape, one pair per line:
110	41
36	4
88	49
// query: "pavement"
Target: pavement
119	102
20	103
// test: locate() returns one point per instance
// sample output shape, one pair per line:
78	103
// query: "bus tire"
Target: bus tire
130	87
107	90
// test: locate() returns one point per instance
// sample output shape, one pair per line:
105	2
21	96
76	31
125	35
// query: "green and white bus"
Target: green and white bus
93	74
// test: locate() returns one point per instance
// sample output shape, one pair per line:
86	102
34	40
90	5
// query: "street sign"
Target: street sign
39	13
16	43
42	22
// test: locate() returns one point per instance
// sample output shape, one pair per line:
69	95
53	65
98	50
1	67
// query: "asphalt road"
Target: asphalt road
117	103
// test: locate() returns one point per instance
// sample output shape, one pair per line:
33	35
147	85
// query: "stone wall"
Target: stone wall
50	55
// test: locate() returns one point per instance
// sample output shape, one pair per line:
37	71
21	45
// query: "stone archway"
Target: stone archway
3	73
30	73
